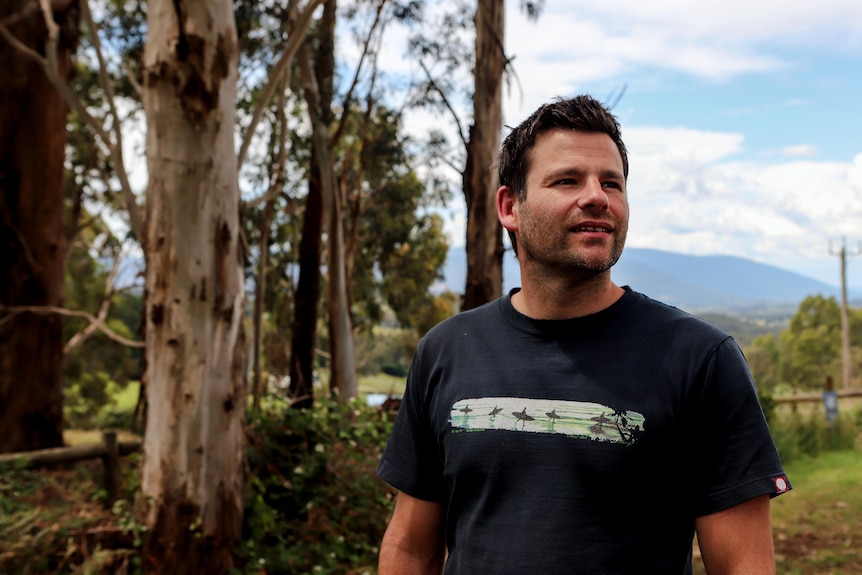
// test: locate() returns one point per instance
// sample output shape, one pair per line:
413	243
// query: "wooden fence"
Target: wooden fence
815	397
109	451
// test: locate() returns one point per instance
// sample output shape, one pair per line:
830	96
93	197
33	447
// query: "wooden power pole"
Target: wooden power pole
847	370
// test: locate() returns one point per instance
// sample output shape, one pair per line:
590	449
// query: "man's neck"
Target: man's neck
566	298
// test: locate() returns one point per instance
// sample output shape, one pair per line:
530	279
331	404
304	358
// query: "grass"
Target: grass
818	526
381	383
73	437
366	384
127	397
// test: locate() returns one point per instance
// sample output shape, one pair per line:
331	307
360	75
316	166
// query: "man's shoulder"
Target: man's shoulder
664	315
479	317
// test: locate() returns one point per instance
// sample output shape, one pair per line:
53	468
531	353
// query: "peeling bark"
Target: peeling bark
193	468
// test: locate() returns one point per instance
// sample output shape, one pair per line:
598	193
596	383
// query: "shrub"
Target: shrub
315	504
767	403
53	522
98	402
798	435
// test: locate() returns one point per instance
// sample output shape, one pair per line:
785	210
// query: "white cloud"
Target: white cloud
693	191
799	151
688	196
723	23
854	174
582	41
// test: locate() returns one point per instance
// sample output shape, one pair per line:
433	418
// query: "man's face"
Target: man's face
575	215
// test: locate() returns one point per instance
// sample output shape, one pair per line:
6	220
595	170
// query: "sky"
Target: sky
742	118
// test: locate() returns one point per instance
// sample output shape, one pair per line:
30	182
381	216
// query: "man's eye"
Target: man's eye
566	182
611	184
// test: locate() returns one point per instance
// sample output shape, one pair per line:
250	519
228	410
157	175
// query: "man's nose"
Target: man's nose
593	196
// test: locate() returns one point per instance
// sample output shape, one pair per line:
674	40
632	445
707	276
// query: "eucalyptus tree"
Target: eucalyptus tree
484	232
329	190
316	65
442	52
394	247
194	451
36	48
399	245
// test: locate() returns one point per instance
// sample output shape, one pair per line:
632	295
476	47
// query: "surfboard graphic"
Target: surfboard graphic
577	419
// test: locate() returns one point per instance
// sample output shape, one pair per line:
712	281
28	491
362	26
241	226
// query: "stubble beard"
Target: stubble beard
553	250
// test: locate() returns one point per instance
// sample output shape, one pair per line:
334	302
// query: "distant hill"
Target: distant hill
699	284
714	283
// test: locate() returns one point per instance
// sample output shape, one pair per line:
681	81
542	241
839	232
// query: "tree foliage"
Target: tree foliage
95	362
315	504
808	351
401	245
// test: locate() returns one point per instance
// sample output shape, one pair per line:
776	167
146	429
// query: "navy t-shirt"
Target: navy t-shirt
587	445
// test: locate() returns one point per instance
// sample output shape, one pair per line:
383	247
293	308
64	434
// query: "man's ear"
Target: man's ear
507	210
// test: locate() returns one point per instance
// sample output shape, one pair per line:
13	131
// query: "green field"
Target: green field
381	383
818	525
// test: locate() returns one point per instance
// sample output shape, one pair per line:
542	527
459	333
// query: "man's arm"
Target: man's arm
738	541
413	542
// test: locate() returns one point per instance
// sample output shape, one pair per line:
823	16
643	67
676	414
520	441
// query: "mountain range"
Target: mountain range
710	283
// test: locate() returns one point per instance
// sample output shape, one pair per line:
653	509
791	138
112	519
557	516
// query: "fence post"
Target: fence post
830	401
111	461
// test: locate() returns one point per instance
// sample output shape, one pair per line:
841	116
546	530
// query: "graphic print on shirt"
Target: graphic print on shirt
577	419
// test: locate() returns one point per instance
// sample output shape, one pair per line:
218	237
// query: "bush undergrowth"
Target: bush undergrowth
48	521
315	504
799	435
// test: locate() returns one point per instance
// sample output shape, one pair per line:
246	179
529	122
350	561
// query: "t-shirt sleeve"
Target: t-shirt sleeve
735	455
411	460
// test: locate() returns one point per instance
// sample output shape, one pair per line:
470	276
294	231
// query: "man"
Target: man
576	426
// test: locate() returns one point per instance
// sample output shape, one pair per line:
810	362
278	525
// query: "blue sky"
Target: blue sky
742	118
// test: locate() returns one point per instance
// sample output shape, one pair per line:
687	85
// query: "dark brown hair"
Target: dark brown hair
581	114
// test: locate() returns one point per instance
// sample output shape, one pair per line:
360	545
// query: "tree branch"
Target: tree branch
297	26
445	102
345	107
277	180
116	147
82	336
139	90
49	310
31	8
450	164
507	66
49	67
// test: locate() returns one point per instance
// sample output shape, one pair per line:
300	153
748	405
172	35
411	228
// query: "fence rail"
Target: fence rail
109	451
795	398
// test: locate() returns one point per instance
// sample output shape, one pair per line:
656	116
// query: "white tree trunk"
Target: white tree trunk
193	468
342	361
